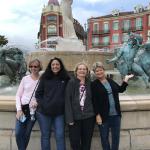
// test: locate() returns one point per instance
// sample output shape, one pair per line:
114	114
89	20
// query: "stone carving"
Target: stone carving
133	57
68	27
115	12
138	8
12	64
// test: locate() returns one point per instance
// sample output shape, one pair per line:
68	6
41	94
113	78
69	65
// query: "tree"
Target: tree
3	41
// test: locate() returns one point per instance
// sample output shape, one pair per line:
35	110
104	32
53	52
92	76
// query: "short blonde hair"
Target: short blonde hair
98	65
38	61
77	65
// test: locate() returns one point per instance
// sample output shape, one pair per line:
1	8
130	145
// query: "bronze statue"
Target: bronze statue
133	57
12	64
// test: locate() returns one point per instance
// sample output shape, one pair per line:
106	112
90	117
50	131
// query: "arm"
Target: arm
19	95
39	93
68	105
124	85
117	56
18	99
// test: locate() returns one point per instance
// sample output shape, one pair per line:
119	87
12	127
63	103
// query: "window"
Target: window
115	25
115	38
126	25
51	18
95	40
148	35
95	27
52	29
149	20
51	7
106	27
125	37
138	23
106	40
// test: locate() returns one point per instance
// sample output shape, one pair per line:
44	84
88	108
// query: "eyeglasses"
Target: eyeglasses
33	66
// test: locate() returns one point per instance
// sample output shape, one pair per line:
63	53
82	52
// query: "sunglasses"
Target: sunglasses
33	66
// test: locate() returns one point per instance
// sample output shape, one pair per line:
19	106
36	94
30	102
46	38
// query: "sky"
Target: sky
20	19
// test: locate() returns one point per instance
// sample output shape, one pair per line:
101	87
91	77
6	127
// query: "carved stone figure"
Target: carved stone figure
134	58
68	27
12	64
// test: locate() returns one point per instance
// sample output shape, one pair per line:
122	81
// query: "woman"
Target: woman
105	94
79	109
51	103
23	96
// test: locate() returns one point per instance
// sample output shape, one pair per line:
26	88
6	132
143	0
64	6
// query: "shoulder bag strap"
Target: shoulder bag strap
34	91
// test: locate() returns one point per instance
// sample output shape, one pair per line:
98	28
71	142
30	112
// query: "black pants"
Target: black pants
81	134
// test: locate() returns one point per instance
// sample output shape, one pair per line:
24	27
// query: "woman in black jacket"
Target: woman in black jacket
51	103
79	111
105	94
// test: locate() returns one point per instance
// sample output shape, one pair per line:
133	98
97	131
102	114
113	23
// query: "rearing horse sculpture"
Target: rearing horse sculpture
133	57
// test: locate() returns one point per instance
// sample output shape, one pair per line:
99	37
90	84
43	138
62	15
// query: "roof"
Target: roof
110	15
54	2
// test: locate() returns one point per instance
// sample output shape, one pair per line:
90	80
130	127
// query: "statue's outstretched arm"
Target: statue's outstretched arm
117	56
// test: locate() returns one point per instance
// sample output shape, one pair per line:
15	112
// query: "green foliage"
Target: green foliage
3	41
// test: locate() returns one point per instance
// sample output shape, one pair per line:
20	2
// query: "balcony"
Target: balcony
100	45
138	28
52	34
101	32
95	32
132	29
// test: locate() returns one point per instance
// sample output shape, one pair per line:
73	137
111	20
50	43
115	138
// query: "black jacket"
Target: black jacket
72	106
101	100
50	96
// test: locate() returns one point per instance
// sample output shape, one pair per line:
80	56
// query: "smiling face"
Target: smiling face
81	71
34	67
55	66
100	73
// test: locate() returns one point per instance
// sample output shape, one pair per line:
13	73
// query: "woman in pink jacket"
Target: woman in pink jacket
25	95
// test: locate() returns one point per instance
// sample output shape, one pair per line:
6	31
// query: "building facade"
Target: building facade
51	24
110	31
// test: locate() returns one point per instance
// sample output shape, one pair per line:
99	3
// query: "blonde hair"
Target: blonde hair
38	61
77	65
98	65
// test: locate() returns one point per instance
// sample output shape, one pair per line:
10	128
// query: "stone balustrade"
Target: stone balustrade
135	128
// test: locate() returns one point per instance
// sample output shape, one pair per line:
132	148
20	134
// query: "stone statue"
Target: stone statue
12	64
133	57
68	27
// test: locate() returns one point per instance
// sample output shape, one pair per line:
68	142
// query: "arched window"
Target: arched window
52	29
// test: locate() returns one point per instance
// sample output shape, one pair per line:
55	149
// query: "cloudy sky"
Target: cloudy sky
20	19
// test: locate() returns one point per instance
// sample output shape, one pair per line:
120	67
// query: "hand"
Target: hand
34	104
127	77
19	114
107	61
71	124
98	119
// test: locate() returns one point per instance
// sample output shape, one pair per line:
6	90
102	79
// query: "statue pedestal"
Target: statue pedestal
62	44
69	44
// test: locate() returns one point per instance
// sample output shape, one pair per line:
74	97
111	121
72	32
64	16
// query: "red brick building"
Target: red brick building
51	24
110	31
51	21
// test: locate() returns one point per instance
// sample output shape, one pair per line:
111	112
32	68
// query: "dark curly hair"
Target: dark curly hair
62	74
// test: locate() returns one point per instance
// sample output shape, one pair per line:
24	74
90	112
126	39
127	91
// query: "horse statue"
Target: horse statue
133	57
12	64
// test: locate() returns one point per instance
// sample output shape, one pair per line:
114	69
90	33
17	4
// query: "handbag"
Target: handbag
26	108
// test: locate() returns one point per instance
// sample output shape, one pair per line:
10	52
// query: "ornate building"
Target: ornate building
51	24
110	31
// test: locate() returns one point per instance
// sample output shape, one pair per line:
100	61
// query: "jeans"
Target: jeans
45	123
113	125
81	133
22	133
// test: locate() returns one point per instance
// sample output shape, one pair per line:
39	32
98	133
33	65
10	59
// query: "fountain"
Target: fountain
135	103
